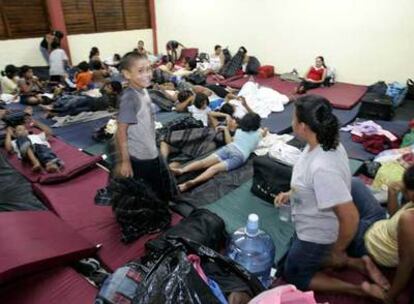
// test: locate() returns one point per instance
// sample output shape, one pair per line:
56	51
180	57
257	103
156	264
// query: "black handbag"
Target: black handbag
374	106
270	177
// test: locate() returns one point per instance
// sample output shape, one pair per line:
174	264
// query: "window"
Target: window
23	19
90	16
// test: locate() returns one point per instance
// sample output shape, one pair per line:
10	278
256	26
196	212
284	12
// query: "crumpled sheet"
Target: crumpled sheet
263	100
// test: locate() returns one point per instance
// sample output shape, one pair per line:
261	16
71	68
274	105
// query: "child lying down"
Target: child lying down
232	156
33	148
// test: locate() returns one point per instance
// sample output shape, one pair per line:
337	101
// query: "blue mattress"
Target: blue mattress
282	122
357	151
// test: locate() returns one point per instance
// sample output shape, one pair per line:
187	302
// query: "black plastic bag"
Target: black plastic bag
201	226
171	278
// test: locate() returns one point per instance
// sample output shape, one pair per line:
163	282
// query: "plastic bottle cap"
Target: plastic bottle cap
252	227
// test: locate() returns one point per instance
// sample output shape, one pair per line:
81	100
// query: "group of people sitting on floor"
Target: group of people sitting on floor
338	223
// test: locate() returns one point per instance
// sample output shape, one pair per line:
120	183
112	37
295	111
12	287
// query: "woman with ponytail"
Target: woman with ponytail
330	218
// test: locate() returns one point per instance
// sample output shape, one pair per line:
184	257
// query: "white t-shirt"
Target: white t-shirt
215	62
39	139
57	62
239	109
320	181
200	114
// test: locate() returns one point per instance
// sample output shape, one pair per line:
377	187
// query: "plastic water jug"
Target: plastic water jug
254	249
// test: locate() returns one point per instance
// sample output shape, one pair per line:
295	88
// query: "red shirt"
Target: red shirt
315	73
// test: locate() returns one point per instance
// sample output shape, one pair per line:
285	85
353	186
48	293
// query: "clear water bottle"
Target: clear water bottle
254	249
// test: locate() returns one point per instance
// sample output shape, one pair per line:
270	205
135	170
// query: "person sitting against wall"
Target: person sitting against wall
94	55
315	76
331	210
141	49
9	80
217	59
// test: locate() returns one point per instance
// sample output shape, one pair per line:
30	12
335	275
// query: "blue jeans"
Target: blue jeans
305	259
72	104
231	156
42	152
370	211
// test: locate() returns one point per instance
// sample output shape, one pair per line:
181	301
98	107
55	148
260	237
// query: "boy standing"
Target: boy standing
135	136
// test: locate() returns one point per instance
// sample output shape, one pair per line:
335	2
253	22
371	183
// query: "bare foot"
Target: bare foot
373	290
28	110
46	108
36	167
186	186
52	168
174	165
176	171
375	274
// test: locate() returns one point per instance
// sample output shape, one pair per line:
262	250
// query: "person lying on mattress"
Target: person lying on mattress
331	211
315	76
189	68
138	155
33	148
75	104
232	156
235	106
185	98
201	111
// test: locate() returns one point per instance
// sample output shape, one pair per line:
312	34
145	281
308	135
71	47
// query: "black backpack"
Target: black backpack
230	68
253	66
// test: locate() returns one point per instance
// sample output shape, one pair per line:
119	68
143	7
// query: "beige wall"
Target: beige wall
26	51
365	40
108	43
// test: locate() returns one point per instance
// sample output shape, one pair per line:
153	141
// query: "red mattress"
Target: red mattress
188	53
55	286
75	162
73	201
341	95
36	240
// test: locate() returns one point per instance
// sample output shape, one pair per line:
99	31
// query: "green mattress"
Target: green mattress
235	207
